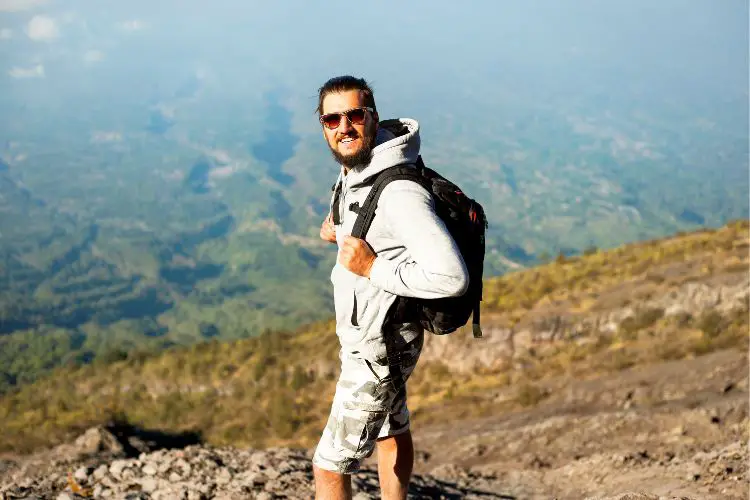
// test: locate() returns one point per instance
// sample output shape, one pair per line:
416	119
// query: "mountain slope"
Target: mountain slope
597	375
643	303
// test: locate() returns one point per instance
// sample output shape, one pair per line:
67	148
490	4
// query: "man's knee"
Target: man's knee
331	485
328	476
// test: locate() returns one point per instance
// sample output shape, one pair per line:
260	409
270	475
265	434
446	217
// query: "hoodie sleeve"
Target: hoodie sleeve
436	268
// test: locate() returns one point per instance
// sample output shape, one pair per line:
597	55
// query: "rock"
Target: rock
98	439
167	494
82	473
149	470
203	472
679	431
628	496
184	465
163	466
100	472
675	309
223	477
149	484
693	473
117	467
284	467
98	491
139	444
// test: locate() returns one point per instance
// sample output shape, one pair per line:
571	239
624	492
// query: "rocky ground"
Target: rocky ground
198	472
673	430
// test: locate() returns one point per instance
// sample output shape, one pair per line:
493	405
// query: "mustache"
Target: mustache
353	135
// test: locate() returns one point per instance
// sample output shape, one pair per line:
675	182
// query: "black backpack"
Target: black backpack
466	222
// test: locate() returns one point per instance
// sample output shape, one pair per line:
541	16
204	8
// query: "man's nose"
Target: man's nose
344	124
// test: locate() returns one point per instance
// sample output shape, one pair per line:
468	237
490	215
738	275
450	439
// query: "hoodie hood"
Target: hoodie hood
397	142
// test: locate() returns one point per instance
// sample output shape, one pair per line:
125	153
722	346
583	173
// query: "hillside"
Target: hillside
180	208
644	347
664	299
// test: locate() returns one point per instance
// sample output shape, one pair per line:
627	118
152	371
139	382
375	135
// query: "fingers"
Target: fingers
328	230
356	255
352	244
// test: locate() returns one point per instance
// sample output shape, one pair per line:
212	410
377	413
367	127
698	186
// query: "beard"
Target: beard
364	153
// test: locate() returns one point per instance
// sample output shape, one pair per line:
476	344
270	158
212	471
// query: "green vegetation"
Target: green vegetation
177	229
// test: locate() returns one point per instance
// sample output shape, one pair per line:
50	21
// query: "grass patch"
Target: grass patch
530	395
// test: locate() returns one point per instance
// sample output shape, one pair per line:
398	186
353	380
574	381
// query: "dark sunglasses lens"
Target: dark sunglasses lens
332	120
356	116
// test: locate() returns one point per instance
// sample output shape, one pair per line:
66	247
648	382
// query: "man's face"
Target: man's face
350	144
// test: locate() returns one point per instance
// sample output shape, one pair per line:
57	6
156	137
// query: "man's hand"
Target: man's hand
357	256
328	230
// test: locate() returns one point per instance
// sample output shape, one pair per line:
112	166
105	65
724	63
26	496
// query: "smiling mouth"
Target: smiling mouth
348	140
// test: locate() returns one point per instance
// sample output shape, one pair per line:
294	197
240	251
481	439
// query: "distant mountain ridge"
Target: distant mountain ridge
195	216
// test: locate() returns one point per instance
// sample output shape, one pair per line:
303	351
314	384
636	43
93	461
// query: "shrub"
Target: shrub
642	319
299	378
711	323
619	360
530	395
682	319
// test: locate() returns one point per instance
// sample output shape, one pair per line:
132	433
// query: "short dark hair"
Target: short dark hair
342	84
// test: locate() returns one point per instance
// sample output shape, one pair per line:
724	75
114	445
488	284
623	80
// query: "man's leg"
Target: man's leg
395	463
332	485
352	428
394	444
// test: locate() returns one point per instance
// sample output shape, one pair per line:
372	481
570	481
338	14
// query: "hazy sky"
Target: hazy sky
422	50
486	79
709	35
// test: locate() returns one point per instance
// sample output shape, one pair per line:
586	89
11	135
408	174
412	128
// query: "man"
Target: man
409	253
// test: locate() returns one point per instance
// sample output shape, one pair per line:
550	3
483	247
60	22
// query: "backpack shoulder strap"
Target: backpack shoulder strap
336	188
367	210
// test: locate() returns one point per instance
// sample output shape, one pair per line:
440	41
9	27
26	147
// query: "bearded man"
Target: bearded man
408	253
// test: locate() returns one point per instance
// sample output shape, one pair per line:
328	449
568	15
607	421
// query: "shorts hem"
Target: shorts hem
397	433
351	466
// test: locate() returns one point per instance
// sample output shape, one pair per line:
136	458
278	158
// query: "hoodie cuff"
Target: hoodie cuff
381	272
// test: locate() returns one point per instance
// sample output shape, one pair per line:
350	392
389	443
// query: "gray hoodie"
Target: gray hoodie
416	255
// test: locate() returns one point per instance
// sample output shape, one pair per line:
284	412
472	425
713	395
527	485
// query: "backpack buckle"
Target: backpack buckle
476	330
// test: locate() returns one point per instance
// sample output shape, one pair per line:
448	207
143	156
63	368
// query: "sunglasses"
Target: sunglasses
356	116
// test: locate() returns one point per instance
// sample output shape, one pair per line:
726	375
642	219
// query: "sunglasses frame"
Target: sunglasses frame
341	114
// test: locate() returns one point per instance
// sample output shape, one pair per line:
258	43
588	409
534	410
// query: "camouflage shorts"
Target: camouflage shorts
370	403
